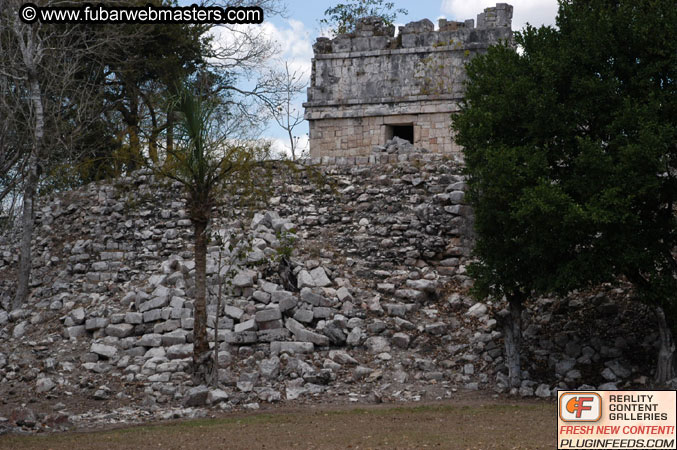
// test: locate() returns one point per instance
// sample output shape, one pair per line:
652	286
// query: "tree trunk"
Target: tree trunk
292	146
152	146
130	116
30	186
512	337
665	368
201	359
25	260
134	158
215	373
170	131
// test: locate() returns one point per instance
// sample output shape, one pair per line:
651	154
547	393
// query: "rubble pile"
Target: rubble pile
353	289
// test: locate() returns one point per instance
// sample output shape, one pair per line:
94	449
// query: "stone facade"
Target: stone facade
370	85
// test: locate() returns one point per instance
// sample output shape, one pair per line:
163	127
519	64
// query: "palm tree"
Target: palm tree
204	160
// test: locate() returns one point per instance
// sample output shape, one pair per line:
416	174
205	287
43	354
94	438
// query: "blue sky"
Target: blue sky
534	11
295	33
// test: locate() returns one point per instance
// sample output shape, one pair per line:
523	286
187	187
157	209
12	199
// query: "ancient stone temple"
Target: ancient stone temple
372	85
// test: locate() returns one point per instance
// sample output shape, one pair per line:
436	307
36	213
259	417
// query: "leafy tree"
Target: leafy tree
499	166
55	98
343	17
139	76
571	153
46	104
84	102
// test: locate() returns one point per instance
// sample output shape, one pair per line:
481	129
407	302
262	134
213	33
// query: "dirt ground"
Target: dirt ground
457	424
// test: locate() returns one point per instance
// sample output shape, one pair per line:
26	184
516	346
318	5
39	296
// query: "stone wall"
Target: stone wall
373	305
366	82
351	137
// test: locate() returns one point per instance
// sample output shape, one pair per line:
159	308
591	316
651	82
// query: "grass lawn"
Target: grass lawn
485	425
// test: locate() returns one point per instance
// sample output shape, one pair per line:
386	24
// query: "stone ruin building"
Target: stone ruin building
370	86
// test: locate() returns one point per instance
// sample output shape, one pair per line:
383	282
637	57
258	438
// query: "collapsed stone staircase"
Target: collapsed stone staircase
373	307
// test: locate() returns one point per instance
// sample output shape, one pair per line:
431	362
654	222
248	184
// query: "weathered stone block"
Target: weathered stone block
261	296
322	312
168	325
133	318
232	311
78	316
180	351
249	325
244	279
155	302
152	315
95	323
304	315
279	296
278	347
304	335
196	396
174	338
107	351
288	303
120	330
150	340
401	340
276	334
268	314
320	278
304	279
75	331
241	337
309	296
377	344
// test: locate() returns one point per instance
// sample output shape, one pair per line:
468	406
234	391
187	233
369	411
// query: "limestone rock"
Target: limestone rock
244	278
120	330
477	310
304	335
44	384
342	357
319	277
216	396
278	347
377	344
543	391
196	396
401	340
304	279
107	351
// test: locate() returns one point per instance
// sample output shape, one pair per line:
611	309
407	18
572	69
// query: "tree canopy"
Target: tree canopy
343	17
571	151
87	102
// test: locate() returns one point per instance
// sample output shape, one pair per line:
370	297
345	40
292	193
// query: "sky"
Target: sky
295	33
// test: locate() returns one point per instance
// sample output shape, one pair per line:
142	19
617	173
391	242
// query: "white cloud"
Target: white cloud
293	42
535	12
295	48
279	145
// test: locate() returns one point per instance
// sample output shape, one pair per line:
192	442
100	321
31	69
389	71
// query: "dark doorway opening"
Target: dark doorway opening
405	132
